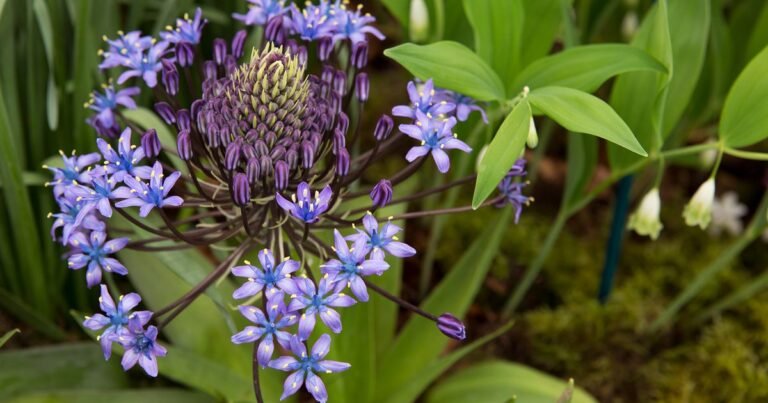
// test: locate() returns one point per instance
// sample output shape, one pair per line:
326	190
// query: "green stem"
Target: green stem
748	155
737	297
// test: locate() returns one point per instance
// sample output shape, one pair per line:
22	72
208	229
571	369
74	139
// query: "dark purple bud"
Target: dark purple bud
292	46
342	162
381	194
277	153
166	112
170	77
274	30
241	189
266	165
248	151
183	119
307	154
342	122
383	127
232	156
360	54
219	50
195	109
184	145
230	64
281	175
209	70
150	143
335	103
324	48
292	158
340	82
339	141
253	170
362	87
260	147
237	43
185	54
301	54
327	74
451	326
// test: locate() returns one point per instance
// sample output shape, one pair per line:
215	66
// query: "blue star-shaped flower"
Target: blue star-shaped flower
116	318
352	265
317	300
261	11
377	241
148	196
267	328
187	30
436	136
93	251
303	205
269	276
141	346
125	161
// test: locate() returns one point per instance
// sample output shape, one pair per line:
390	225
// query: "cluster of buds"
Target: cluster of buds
264	157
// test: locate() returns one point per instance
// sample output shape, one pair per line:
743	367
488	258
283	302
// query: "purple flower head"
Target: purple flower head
436	136
115	319
267	328
269	276
148	196
93	251
187	30
76	170
74	215
423	99
313	22
317	300
261	11
377	241
123	162
105	104
512	189
141	346
352	265
303	205
353	25
306	366
99	193
451	326
122	48
464	104
145	64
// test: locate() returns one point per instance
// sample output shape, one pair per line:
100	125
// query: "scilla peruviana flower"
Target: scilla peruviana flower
698	211
645	220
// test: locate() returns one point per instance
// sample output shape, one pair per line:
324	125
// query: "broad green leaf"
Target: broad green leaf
541	24
498	381
154	395
504	150
582	160
639	97
452	66
744	119
420	342
759	38
498	28
586	67
7	336
72	365
580	112
400	9
410	391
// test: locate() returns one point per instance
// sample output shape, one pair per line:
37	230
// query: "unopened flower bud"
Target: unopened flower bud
185	54
360	54
219	50
362	87
645	220
184	145
327	74
183	119
699	210
274	30
342	123
232	155
307	154
238	41
241	189
209	70
451	326
383	127
340	82
281	175
166	112
533	136
150	143
301	54
339	141
324	48
253	170
419	21
381	194
342	162
170	77
230	64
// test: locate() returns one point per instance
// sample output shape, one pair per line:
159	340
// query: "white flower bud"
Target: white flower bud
645	220
629	25
419	23
533	136
698	211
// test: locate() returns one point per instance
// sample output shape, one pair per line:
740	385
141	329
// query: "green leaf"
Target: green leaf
13	304
416	386
541	24
744	119
420	342
452	66
401	9
504	150
31	179
498	28
154	395
580	112
7	336
586	67
582	160
498	381
72	365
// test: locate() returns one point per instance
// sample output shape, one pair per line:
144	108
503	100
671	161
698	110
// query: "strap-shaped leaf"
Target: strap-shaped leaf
452	66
